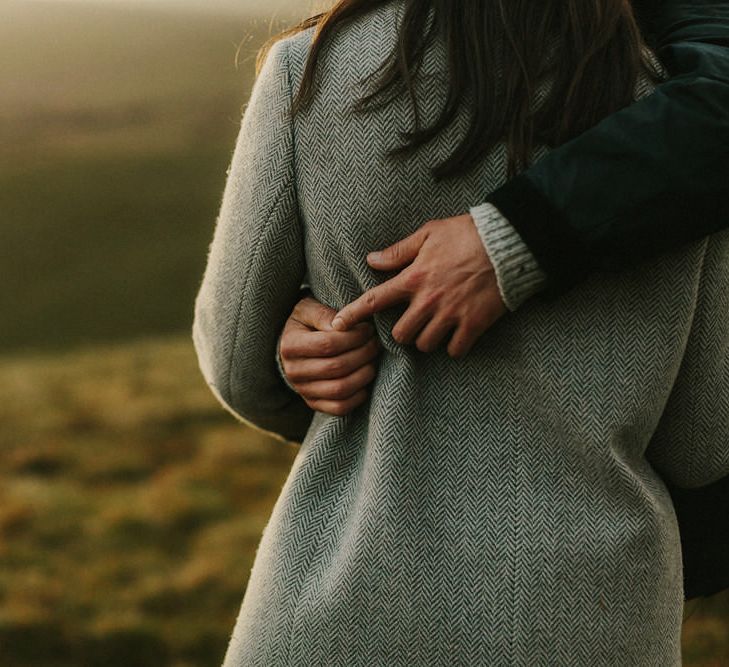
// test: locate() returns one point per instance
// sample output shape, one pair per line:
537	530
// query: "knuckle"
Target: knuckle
340	408
296	312
307	394
334	367
304	308
287	370
449	316
340	390
413	279
285	348
431	298
327	347
295	380
323	312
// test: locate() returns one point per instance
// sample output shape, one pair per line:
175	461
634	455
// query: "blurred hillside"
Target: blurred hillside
116	127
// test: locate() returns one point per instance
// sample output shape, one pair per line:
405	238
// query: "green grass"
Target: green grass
130	508
131	505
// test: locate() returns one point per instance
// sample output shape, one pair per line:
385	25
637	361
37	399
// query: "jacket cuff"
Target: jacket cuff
518	273
557	247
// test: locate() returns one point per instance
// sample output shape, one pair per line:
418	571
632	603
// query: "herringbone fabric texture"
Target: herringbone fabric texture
495	510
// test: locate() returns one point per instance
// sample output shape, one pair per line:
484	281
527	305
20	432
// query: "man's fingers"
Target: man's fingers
410	324
327	368
399	254
298	343
432	335
372	301
463	340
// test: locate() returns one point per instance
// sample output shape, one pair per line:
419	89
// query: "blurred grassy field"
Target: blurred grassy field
131	504
130	508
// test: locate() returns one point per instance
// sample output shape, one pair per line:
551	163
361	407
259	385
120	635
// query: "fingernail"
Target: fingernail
338	324
374	256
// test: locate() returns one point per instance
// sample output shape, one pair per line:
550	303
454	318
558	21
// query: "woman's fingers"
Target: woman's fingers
298	341
338	389
327	368
330	369
339	408
314	314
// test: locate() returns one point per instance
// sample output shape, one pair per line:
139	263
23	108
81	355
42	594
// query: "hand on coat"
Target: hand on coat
329	369
449	281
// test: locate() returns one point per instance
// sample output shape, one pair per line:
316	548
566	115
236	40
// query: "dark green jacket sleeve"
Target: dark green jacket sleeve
646	179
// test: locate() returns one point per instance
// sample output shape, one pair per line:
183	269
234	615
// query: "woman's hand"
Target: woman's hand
330	369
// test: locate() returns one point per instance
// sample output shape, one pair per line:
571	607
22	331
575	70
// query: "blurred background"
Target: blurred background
131	503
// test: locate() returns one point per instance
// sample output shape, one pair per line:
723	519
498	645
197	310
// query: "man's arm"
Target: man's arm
646	179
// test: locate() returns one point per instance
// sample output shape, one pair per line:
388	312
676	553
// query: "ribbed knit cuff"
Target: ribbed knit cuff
518	274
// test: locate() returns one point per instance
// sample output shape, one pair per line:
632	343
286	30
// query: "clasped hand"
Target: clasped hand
450	284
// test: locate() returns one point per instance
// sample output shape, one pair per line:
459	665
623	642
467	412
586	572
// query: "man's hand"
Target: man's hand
329	369
450	283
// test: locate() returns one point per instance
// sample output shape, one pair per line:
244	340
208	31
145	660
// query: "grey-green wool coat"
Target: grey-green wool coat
503	509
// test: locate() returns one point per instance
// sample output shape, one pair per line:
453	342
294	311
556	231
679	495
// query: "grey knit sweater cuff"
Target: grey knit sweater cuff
518	274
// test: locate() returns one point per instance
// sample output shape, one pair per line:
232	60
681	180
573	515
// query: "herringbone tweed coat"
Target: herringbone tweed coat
494	510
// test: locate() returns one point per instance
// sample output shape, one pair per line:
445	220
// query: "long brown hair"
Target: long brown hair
499	52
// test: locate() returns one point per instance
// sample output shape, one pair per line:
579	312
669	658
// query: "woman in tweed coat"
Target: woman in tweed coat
497	509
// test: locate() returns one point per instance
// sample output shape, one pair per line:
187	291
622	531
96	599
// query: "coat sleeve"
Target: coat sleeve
647	178
690	447
255	265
